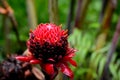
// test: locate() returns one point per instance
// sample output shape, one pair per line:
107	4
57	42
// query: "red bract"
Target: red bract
49	47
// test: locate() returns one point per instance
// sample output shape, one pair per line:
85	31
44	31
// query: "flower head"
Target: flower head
49	47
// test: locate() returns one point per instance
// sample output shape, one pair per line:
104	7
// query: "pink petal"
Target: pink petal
66	70
35	61
49	69
50	59
73	62
23	58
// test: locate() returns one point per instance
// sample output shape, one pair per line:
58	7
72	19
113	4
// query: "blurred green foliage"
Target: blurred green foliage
90	62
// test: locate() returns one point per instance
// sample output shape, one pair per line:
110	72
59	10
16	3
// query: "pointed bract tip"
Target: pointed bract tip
31	31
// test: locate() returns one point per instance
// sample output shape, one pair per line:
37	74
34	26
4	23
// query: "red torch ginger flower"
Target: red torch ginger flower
49	47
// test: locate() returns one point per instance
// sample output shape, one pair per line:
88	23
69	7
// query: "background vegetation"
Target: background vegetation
93	25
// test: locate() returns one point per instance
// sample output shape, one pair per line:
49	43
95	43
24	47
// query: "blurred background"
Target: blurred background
93	28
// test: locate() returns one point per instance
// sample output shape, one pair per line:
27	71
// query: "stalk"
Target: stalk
6	23
53	11
105	16
78	13
10	15
70	16
101	40
81	12
104	3
31	13
105	74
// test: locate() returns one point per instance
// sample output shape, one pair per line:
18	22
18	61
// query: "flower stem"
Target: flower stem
49	77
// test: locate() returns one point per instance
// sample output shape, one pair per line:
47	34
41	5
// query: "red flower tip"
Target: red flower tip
49	69
49	47
66	70
23	58
73	62
35	61
31	31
